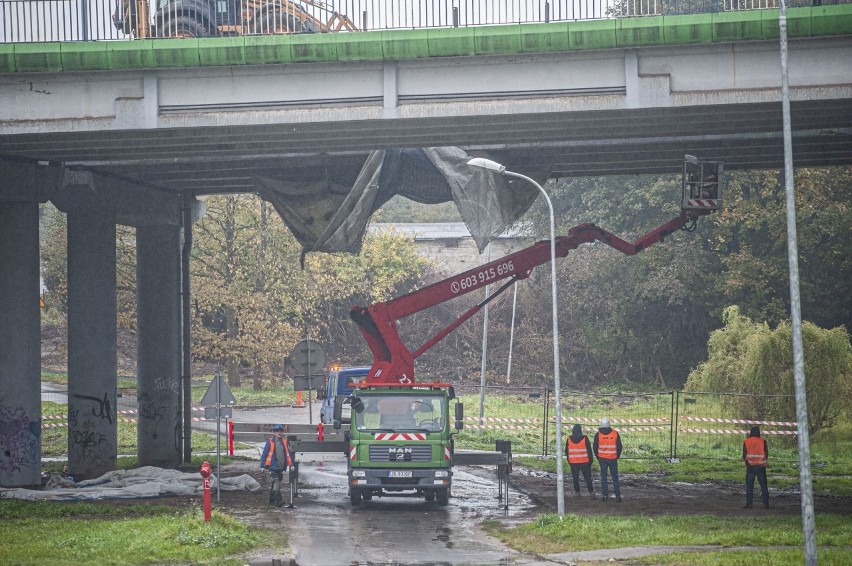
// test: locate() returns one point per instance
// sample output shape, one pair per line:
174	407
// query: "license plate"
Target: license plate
399	474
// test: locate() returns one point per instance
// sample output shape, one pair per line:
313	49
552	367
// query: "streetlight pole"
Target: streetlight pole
497	168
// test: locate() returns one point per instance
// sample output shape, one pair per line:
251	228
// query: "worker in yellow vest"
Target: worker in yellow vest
578	451
756	457
607	448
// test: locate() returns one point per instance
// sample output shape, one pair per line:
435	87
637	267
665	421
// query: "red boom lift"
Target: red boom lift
394	363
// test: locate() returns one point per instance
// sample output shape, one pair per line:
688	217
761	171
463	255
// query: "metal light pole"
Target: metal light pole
805	480
496	167
484	351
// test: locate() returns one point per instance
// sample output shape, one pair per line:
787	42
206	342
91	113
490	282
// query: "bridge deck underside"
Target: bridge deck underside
211	160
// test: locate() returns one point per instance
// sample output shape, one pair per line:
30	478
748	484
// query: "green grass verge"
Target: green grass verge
548	534
84	533
826	557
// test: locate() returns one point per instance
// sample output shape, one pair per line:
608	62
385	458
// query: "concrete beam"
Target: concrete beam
128	203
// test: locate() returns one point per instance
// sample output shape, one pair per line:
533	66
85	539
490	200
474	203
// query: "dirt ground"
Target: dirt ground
651	496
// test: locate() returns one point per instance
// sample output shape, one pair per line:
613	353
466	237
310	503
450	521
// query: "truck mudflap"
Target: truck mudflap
400	479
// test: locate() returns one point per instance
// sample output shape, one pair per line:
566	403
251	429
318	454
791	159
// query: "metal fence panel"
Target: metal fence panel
707	425
89	20
642	420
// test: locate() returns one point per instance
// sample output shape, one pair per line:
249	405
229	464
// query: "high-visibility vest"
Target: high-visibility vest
271	455
607	445
577	452
755	454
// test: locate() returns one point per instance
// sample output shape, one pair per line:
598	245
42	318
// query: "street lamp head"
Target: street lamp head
483	163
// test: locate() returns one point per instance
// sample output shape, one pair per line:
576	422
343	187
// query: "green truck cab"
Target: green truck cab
400	441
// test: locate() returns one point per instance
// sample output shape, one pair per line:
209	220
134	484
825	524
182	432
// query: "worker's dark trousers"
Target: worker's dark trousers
275	488
760	473
612	466
586	469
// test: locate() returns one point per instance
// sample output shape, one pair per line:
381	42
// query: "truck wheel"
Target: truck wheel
354	496
443	496
430	496
182	26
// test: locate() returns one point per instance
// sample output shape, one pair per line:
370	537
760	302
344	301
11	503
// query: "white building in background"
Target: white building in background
449	245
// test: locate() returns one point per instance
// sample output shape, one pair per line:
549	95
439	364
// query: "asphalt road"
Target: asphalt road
323	528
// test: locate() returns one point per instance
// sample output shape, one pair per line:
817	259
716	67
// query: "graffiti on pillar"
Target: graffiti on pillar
178	431
86	432
169	384
151	410
19	439
102	408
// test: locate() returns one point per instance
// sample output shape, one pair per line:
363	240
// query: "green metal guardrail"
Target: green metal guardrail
414	44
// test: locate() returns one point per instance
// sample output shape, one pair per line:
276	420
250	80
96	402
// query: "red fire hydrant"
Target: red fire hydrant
230	438
319	432
205	473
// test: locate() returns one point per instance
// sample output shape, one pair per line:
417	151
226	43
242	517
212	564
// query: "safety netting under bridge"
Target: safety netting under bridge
328	217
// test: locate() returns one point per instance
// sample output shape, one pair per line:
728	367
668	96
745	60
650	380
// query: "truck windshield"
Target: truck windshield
401	412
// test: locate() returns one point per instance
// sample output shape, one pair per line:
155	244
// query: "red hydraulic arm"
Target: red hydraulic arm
394	362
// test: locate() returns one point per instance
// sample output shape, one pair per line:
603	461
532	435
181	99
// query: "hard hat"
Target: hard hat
604	423
278	427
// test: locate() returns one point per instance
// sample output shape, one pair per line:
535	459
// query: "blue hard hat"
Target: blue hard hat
278	427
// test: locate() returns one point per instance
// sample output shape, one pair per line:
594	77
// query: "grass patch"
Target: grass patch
548	535
791	557
95	533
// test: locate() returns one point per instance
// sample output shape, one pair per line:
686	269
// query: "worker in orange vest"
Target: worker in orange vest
607	448
276	459
755	456
578	451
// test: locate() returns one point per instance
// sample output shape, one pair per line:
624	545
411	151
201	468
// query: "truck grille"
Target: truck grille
410	453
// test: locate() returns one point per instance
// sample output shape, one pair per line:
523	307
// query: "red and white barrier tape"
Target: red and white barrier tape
738	421
737	432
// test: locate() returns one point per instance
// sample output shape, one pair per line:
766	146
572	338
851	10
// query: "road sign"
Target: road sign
308	355
211	413
224	396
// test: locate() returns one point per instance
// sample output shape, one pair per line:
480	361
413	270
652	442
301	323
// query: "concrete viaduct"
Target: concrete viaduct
132	132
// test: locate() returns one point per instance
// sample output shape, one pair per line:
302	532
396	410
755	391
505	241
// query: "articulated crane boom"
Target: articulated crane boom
394	363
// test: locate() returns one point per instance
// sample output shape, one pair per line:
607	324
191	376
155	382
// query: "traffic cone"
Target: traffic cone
299	399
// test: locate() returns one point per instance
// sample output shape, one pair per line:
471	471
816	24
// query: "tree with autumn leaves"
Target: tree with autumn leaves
252	301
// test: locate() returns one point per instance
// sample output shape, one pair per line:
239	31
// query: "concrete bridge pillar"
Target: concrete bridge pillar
22	188
20	346
158	287
92	350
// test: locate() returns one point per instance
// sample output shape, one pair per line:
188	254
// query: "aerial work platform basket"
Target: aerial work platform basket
702	184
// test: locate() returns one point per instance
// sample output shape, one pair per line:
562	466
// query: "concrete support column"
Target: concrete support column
158	345
92	350
20	345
